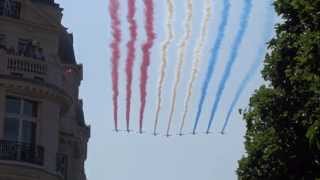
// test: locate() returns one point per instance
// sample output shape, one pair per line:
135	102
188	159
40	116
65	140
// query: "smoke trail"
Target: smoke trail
165	48
255	66
197	58
130	56
213	59
181	59
149	10
234	53
114	6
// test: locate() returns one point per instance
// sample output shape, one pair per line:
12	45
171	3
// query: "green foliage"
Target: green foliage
283	118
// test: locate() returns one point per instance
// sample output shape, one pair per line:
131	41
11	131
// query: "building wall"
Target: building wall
16	171
54	84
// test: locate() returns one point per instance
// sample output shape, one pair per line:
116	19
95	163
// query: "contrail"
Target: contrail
233	56
164	52
214	56
181	59
268	30
114	7
197	58
149	22
130	56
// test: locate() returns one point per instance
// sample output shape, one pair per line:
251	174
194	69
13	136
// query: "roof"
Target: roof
47	2
66	51
80	115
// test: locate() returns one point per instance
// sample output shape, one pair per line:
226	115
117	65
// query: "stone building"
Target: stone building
43	135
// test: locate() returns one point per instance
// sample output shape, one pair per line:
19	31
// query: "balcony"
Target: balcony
21	152
26	65
42	76
23	67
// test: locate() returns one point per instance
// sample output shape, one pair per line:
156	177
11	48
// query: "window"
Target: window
3	42
62	165
11	129
1	7
10	8
20	121
2	39
22	46
30	48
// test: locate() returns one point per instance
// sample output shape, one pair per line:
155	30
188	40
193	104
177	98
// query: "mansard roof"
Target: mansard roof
66	50
47	2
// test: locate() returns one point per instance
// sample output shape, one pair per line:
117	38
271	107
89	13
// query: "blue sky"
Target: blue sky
120	156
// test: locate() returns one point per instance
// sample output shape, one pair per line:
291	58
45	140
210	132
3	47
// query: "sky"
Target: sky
122	156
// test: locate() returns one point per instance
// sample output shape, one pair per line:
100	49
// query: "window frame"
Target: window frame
21	117
62	162
13	12
1	7
2	39
3	43
22	45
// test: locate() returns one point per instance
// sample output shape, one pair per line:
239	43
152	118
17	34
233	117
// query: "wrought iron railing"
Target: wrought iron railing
22	152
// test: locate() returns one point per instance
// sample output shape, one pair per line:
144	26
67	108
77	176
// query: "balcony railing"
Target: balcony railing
26	65
21	152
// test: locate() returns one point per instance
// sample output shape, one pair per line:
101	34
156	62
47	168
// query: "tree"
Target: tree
283	117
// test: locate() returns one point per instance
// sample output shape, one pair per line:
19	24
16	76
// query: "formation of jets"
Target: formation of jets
166	135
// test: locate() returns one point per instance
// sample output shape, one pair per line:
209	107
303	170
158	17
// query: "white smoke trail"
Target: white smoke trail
181	59
164	52
197	58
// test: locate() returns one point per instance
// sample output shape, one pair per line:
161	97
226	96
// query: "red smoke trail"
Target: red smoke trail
114	6
130	56
149	10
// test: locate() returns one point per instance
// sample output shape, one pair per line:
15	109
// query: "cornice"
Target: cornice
29	24
27	166
36	89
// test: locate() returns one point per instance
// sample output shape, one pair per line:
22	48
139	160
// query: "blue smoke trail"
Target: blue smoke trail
234	53
213	59
268	27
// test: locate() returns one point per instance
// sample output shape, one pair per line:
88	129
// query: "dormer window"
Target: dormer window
10	8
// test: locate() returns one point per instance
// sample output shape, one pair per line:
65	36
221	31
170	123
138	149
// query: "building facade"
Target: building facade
43	135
